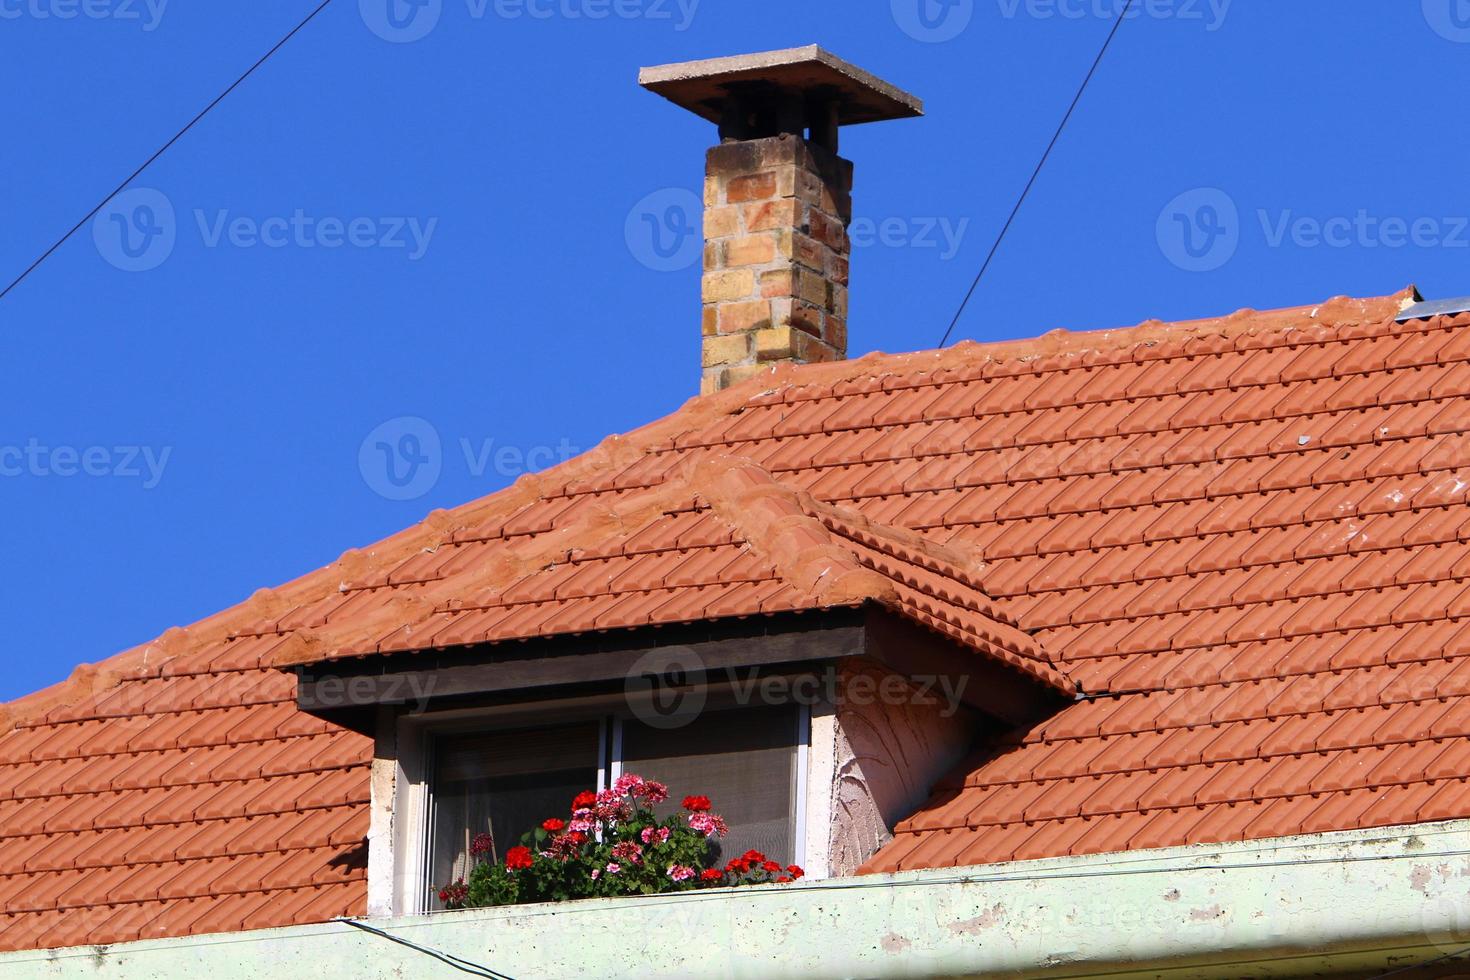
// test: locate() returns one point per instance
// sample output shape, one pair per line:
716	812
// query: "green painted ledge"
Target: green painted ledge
1358	901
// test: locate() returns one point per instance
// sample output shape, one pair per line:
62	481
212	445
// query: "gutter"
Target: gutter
1362	900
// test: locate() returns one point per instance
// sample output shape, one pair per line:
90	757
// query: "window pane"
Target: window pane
743	760
503	784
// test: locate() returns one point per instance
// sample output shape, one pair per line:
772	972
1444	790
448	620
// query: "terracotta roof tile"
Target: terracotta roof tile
1244	536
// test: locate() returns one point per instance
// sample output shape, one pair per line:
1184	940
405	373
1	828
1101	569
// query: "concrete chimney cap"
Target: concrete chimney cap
703	87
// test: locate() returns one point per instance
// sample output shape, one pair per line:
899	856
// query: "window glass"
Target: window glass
743	760
503	784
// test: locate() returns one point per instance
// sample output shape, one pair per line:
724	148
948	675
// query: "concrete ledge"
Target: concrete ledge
1358	901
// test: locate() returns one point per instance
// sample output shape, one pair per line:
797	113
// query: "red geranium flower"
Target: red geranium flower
711	874
753	856
517	858
482	844
697	804
553	825
771	866
584	799
795	870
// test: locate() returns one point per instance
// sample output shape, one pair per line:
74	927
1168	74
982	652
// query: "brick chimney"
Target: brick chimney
778	201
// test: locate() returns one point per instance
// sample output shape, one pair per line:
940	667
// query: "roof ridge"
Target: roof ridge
795	532
1336	313
903	544
513	563
777	523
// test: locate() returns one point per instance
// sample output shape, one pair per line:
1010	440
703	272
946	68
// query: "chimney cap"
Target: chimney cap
702	87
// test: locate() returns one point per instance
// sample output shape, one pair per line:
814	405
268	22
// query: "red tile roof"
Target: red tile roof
727	541
1243	538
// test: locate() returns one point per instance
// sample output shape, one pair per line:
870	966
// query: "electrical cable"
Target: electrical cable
161	150
1122	15
462	965
1415	968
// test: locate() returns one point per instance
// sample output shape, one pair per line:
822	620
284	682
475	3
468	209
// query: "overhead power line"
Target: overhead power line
1122	15
462	965
163	149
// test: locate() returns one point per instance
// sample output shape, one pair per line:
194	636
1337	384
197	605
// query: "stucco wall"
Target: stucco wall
888	751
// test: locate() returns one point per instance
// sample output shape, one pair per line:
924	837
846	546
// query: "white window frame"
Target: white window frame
398	879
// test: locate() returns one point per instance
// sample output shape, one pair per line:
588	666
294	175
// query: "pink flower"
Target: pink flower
580	826
654	793
563	846
708	824
629	851
611	807
614	868
652	835
627	784
680	872
596	873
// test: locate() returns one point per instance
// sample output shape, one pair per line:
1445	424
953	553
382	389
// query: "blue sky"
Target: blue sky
424	233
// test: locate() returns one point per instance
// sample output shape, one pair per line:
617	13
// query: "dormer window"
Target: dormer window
504	781
825	672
